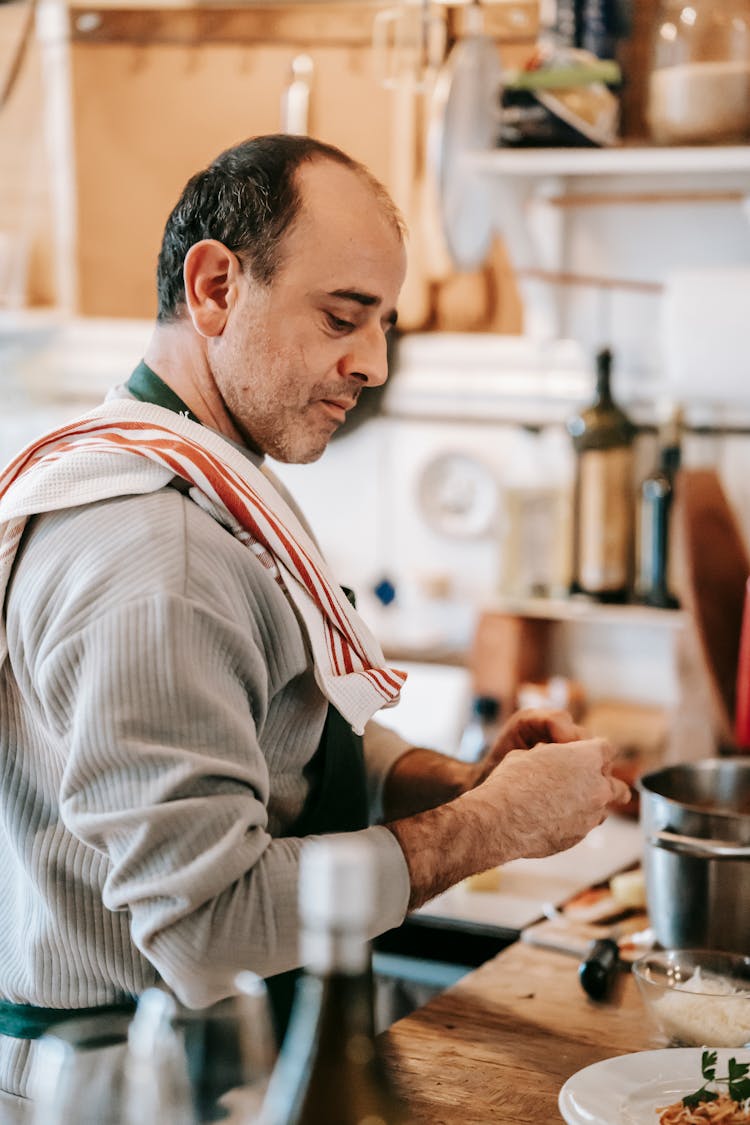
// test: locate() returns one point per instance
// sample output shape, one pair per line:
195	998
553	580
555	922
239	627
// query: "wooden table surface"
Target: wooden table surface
497	1046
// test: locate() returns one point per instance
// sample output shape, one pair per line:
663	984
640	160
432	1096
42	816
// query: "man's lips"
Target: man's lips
337	407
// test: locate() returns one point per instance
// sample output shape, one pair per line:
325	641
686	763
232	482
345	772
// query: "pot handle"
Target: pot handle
700	849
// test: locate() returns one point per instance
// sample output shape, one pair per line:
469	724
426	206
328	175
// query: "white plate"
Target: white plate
628	1089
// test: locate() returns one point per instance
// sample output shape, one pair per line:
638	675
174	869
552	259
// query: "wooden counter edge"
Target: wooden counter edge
498	1046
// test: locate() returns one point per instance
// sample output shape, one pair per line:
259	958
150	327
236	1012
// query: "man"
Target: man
180	677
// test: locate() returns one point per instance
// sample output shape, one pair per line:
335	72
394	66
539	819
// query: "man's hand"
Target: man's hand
551	796
422	779
534	803
523	730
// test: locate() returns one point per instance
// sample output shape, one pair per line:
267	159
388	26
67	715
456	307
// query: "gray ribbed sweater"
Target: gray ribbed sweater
159	718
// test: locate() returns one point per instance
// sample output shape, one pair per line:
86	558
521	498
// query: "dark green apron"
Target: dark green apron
336	803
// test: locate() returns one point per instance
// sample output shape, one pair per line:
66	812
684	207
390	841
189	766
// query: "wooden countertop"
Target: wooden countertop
497	1046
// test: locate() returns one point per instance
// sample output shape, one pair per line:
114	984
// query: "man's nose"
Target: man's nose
367	359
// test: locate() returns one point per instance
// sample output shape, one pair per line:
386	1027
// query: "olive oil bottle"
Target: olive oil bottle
330	1070
603	502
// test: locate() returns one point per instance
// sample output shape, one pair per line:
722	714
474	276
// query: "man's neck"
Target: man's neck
178	356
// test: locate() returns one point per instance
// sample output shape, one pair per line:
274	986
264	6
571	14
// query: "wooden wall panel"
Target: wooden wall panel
158	92
25	220
146	118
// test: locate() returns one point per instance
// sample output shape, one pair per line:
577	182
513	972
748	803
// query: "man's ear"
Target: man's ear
211	273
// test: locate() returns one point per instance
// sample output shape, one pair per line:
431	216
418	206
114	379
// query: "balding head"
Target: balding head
248	199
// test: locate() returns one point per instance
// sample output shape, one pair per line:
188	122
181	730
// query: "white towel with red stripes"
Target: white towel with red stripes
125	447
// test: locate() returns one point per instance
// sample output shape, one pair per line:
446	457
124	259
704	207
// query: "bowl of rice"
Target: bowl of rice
697	998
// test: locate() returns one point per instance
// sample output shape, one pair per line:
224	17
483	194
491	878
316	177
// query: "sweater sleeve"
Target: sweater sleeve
161	701
382	749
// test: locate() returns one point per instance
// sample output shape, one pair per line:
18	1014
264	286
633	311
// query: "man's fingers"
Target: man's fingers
608	752
533	725
605	749
620	791
562	729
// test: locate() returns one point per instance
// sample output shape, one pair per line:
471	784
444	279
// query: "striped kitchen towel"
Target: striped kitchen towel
125	447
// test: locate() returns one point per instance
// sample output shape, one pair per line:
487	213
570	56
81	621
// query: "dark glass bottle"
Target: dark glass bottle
568	22
654	584
596	25
604	24
330	1070
603	499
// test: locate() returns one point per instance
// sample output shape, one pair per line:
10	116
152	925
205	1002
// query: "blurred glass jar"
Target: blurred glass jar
699	82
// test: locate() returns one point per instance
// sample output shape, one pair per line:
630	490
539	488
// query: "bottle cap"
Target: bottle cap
337	883
486	707
670	430
604	359
152	1023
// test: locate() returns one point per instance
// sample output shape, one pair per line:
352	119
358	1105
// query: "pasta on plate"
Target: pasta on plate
722	1111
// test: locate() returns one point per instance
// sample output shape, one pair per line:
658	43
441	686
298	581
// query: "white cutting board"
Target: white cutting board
526	885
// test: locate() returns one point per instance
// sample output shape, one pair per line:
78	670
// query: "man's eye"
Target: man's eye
338	324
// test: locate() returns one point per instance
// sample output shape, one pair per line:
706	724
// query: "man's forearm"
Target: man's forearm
421	780
536	802
444	845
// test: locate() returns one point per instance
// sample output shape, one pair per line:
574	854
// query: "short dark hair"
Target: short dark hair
247	199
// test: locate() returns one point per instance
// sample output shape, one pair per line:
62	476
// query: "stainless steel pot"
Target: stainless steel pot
696	823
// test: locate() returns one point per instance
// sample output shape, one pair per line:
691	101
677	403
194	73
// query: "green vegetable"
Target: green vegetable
564	77
739	1083
702	1095
737	1080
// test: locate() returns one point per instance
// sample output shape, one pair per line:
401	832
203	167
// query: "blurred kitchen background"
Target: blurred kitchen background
573	179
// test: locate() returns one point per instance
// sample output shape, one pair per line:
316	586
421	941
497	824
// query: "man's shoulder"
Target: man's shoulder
135	546
124	540
148	520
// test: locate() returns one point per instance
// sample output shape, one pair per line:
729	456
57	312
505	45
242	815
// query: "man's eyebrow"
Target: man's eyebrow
365	299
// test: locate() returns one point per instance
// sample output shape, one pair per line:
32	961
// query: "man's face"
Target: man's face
295	355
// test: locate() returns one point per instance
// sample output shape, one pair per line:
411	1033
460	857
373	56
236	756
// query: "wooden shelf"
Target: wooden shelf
619	161
594	613
532	192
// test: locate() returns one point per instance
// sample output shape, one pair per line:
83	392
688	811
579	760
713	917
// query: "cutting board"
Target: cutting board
715	570
527	887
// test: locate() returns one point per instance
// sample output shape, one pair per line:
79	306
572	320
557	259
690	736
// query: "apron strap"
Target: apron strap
26	1021
338	803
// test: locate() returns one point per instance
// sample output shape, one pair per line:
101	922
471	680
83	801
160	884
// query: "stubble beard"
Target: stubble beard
288	433
274	411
